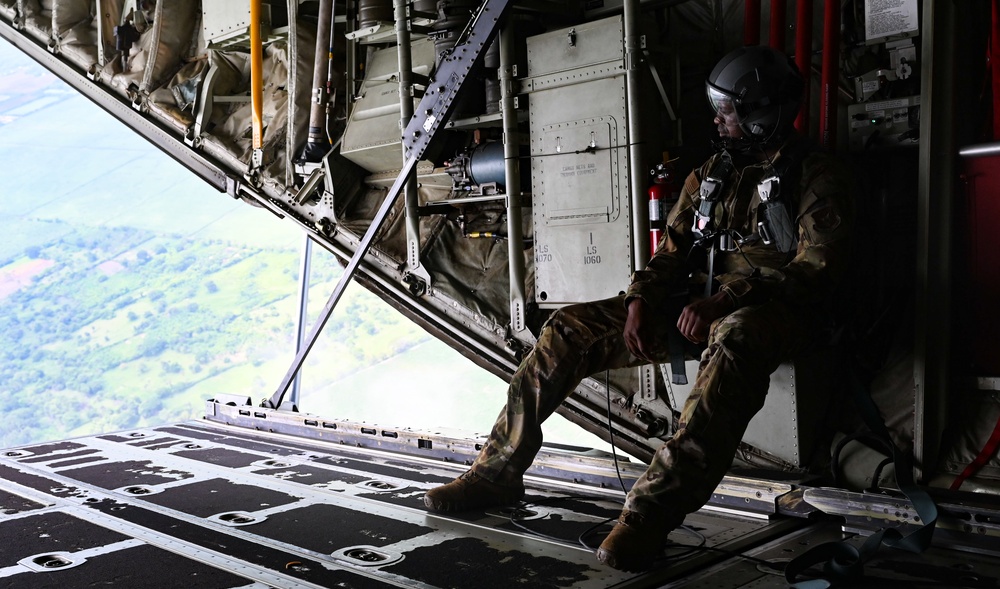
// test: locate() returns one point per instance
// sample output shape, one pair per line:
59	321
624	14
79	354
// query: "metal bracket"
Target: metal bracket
416	284
233	186
309	187
647	382
206	101
659	85
417	278
135	97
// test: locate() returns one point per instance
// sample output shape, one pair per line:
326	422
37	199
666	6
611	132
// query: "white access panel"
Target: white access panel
579	163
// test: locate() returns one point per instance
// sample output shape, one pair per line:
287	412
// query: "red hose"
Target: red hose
829	74
994	58
980	460
778	24
751	22
803	58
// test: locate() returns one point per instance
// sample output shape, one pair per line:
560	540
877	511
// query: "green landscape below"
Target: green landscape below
131	292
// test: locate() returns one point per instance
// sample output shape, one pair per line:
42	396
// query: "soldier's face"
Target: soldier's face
726	120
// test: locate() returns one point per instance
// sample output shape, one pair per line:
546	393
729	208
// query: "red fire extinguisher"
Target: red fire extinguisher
663	193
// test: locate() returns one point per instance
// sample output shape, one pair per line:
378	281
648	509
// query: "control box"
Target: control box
884	124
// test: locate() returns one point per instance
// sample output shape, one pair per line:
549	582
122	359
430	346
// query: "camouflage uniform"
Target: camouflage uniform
778	312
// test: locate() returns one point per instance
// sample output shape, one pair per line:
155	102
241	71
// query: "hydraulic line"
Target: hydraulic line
318	141
751	22
829	75
803	58
777	38
257	80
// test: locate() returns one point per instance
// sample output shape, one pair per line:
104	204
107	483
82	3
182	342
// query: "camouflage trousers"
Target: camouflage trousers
744	348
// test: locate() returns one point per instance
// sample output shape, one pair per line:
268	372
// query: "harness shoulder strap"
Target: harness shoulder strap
711	189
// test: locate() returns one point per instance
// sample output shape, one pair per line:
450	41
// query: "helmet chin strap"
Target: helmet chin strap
730	144
740	144
749	141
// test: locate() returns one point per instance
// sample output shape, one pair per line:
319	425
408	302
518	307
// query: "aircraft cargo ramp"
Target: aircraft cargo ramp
252	498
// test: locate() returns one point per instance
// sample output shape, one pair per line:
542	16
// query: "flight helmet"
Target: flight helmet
761	89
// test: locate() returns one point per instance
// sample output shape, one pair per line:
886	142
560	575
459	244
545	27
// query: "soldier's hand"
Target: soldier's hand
697	317
639	333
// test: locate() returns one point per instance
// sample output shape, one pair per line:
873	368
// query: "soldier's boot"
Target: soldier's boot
471	491
636	541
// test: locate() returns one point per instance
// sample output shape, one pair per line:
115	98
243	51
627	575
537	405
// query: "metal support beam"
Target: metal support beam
305	272
935	193
412	204
109	15
512	169
433	111
351	57
637	171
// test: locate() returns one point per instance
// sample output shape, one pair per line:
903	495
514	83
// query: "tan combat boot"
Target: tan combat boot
635	542
471	491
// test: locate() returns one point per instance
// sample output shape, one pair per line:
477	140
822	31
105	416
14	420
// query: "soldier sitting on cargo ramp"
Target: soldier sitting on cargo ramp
763	230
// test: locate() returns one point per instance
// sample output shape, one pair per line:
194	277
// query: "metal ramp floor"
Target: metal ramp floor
213	506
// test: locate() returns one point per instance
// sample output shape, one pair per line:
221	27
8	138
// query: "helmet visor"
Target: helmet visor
723	106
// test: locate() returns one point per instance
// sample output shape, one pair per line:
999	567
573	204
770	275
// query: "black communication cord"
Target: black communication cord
588	149
611	429
582	538
775	568
754	270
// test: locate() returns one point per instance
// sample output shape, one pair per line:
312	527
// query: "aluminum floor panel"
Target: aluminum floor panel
238	508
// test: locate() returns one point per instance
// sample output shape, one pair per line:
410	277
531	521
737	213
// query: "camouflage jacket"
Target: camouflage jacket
821	206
